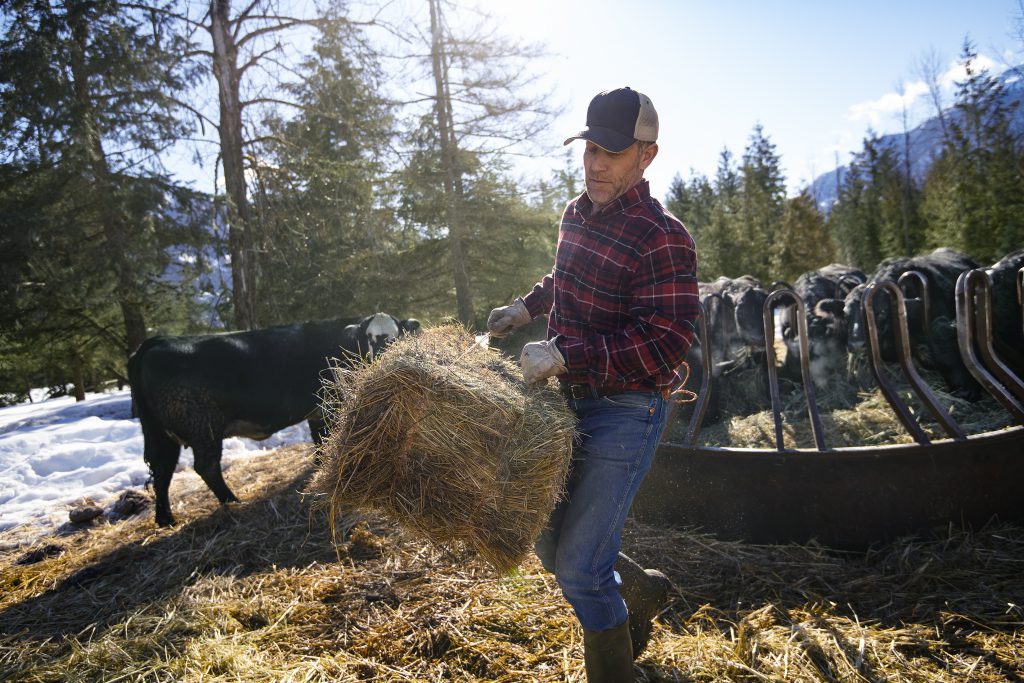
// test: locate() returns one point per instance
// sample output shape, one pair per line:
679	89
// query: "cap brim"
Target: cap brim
605	138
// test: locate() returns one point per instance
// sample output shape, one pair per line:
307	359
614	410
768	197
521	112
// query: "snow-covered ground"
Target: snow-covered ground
56	453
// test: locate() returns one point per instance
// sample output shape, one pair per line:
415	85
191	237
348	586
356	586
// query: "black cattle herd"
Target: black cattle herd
195	391
837	332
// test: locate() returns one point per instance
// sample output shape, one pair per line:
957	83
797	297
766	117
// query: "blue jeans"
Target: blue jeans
618	437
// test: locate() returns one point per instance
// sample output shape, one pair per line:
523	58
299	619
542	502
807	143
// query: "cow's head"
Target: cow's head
409	326
853	312
376	332
940	350
748	309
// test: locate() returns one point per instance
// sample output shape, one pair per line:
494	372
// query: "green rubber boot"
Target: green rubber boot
608	655
646	594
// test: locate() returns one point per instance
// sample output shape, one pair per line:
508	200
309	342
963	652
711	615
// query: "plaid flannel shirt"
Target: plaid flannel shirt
622	295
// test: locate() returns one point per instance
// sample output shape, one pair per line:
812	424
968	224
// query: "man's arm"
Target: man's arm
540	299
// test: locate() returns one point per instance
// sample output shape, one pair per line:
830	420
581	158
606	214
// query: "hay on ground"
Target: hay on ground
441	435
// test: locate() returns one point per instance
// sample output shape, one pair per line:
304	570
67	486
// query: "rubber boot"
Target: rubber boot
608	655
646	594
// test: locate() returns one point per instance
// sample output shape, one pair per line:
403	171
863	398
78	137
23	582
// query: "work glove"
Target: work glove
503	320
541	360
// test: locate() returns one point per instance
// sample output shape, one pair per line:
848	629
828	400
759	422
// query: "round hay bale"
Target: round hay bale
442	435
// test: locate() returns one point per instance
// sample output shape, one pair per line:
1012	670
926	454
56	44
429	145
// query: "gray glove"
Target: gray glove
503	320
541	360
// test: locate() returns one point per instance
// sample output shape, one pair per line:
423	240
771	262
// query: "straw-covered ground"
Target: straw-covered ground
256	592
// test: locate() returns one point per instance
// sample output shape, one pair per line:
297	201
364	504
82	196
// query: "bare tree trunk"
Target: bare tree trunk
928	67
240	238
77	377
115	235
452	178
907	179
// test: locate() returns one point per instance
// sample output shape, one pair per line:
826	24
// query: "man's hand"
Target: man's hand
541	360
503	320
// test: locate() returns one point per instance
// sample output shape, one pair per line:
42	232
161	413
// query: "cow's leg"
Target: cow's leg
161	453
207	465
317	429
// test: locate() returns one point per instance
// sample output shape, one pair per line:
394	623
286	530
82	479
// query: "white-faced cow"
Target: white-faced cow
940	269
195	391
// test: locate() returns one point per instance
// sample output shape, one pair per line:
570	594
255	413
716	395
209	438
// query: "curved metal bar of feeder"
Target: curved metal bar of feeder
922	390
903	348
697	418
1020	295
773	371
805	368
779	284
922	284
965	334
986	341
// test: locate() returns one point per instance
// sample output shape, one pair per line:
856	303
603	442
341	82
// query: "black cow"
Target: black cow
1007	323
195	391
735	321
1007	327
823	292
940	269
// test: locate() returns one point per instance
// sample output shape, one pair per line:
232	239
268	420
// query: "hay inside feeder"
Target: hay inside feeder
443	436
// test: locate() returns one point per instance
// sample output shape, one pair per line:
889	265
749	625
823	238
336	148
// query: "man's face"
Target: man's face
610	174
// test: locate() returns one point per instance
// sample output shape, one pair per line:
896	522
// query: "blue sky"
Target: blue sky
815	75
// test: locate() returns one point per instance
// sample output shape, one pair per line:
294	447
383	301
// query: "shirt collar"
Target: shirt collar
638	193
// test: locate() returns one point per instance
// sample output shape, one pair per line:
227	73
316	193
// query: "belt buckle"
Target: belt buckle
579	391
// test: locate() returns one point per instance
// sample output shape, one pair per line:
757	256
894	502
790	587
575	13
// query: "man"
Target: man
621	302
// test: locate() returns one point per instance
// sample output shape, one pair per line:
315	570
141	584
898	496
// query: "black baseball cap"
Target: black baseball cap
616	118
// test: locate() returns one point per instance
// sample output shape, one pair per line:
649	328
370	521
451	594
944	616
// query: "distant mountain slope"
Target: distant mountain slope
925	143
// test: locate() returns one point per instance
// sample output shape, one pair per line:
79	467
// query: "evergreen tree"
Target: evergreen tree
716	248
897	225
693	202
762	206
975	192
87	99
321	198
507	244
804	242
854	219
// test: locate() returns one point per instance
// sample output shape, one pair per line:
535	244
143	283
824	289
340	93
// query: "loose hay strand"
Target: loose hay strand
441	435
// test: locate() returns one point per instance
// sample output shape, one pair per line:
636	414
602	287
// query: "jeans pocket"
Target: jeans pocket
639	400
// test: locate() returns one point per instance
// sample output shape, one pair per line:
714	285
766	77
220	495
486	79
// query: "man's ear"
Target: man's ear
649	154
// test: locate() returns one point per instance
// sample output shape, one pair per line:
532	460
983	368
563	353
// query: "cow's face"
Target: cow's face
409	326
750	316
856	333
377	332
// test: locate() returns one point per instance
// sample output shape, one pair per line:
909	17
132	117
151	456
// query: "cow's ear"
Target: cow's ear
410	326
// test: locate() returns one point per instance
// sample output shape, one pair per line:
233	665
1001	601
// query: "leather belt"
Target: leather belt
583	391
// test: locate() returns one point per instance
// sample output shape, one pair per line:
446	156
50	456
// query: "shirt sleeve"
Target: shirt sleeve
663	312
540	299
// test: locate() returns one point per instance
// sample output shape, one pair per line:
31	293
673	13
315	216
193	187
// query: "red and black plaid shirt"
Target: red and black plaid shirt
623	293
